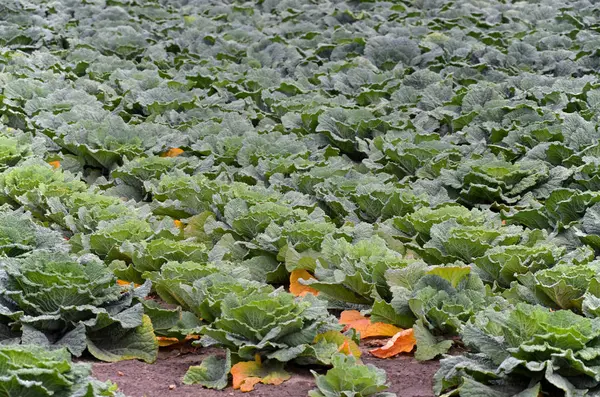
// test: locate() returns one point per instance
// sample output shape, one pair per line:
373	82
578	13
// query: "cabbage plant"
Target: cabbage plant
348	377
526	350
30	370
57	300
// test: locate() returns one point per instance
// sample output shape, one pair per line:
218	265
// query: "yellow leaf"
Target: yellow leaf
367	329
55	164
402	342
178	224
247	374
298	289
345	344
453	274
173	152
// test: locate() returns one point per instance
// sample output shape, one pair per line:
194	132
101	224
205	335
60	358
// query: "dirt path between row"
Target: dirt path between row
407	377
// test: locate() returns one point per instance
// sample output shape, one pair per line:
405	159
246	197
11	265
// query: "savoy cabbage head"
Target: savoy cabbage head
525	349
30	370
57	300
349	377
20	234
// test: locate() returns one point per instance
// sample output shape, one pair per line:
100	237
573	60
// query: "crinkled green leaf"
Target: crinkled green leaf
212	372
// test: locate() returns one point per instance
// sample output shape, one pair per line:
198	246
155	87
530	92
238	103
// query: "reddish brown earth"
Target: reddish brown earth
407	377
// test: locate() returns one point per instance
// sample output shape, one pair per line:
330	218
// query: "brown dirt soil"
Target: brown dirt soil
407	377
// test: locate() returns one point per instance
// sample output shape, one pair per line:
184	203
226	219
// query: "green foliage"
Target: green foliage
83	211
109	238
424	161
148	257
561	287
20	234
489	180
53	299
524	348
420	222
451	241
247	317
503	264
270	323
138	171
212	372
16	146
32	185
353	272
350	378
29	370
442	298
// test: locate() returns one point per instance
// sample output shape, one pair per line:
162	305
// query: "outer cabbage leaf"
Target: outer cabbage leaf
110	238
149	257
135	172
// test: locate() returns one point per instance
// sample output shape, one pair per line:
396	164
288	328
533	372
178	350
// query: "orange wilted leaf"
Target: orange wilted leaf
503	222
402	342
298	289
246	374
55	164
164	341
178	224
353	319
248	383
345	348
173	152
124	283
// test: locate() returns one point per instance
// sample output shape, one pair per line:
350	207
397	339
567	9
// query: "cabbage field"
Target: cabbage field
270	187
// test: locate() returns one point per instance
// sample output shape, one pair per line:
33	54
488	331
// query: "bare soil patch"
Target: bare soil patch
407	377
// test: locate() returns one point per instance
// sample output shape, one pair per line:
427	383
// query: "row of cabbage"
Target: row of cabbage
433	164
